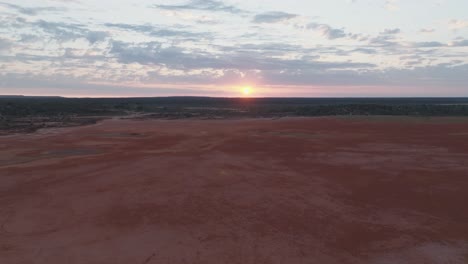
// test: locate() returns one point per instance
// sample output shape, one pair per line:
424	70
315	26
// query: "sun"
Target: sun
247	90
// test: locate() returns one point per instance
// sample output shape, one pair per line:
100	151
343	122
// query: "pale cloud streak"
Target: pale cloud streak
203	5
273	17
456	24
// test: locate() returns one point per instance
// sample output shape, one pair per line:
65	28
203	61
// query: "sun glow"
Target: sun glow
247	90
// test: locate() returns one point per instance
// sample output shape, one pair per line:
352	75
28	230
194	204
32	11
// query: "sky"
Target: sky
294	48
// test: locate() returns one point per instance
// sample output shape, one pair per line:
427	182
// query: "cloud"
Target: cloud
385	40
204	5
68	1
69	85
76	55
456	24
62	31
459	43
426	79
432	75
29	38
327	31
155	31
67	32
32	11
79	46
155	53
273	17
358	37
273	47
428	44
41	29
427	30
391	31
96	36
437	44
365	50
410	57
5	44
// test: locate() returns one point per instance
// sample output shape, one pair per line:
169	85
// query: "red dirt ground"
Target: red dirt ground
302	190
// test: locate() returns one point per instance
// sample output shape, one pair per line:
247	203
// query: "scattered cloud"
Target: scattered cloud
209	42
156	31
427	30
5	44
456	24
204	5
327	31
391	31
32	11
459	43
154	53
428	44
29	38
273	17
96	36
62	31
365	50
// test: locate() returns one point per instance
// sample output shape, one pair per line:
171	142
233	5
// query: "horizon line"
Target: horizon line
235	97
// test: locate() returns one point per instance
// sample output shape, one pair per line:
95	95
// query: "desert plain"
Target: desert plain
325	190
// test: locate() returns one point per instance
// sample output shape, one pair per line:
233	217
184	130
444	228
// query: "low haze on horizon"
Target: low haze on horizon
296	48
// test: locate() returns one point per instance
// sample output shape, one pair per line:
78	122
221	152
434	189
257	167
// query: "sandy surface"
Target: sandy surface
304	190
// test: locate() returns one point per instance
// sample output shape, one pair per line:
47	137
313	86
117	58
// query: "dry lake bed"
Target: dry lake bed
291	190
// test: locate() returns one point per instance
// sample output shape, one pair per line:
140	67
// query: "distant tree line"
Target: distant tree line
199	106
